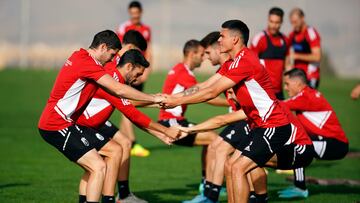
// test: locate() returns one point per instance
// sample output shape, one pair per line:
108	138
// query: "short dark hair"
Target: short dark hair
134	37
297	11
297	73
107	37
191	45
135	4
239	26
134	57
276	11
210	39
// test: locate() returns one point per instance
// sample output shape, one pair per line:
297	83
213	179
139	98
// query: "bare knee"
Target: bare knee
126	144
237	169
116	152
228	168
221	151
97	168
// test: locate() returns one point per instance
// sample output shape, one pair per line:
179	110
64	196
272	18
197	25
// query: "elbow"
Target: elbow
221	121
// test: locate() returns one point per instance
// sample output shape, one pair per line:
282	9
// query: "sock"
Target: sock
207	188
262	198
252	197
108	199
133	143
299	178
82	199
124	189
215	192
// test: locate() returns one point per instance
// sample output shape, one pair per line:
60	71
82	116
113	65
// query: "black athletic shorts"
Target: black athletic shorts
139	87
329	148
108	129
74	141
266	142
237	134
294	156
187	141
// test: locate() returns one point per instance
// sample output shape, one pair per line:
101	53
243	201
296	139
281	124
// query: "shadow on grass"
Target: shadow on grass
165	195
10	185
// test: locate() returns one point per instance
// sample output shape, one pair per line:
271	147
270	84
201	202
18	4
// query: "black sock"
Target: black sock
108	199
82	199
252	197
261	198
299	178
207	188
215	192
124	189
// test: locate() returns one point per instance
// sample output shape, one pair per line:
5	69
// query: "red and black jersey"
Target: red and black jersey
254	91
74	87
179	78
272	50
126	26
302	42
103	105
316	114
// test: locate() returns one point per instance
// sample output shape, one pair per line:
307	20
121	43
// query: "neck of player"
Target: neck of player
236	49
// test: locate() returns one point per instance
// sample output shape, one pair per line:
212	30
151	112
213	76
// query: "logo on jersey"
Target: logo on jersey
125	102
100	137
68	63
235	64
84	140
116	77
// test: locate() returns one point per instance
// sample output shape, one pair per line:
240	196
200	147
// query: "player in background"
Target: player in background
135	11
355	92
320	121
75	85
131	65
306	49
180	80
271	47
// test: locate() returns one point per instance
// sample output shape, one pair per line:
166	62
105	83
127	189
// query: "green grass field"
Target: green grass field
33	171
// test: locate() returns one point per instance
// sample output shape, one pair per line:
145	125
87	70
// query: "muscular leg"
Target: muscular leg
223	149
228	173
95	166
239	170
125	143
112	153
127	128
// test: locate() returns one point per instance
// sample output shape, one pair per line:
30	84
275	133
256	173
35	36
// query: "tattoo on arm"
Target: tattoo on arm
191	90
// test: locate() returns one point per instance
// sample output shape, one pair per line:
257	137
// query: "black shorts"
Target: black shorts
108	129
266	142
139	87
237	134
329	148
187	141
74	141
294	156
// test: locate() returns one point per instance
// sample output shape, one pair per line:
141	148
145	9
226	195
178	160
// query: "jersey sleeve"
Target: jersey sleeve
238	71
258	43
92	71
125	107
313	37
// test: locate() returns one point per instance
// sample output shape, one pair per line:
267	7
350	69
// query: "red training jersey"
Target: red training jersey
103	105
316	114
272	50
126	26
302	42
179	78
254	91
74	87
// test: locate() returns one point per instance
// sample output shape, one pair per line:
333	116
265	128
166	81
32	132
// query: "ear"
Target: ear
236	39
102	47
128	67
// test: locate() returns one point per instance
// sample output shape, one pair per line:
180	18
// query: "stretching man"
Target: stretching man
78	79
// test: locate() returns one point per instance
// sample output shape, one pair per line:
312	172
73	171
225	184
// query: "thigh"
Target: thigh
90	160
110	148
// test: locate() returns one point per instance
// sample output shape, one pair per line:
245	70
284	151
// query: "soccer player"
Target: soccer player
254	91
134	23
320	121
230	137
271	47
75	85
181	79
130	67
305	42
